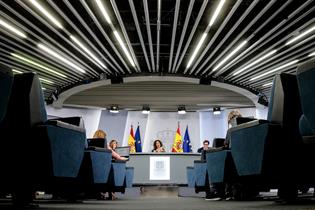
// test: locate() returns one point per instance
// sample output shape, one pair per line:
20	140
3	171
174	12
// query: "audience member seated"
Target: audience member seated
102	135
158	146
203	149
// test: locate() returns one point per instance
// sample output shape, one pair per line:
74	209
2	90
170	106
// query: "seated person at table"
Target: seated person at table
158	146
204	147
115	155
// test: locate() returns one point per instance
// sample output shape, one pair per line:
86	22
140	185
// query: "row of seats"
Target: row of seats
49	155
272	153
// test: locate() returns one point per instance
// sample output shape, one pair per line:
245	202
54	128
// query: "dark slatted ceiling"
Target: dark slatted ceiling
248	39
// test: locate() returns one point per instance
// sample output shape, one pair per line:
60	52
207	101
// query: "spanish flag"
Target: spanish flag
177	145
131	141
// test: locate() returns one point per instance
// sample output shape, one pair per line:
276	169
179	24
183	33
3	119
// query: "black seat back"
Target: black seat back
26	105
6	81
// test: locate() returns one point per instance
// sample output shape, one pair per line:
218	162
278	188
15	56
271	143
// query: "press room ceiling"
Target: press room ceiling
73	42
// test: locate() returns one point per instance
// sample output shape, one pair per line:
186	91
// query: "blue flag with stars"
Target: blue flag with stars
186	143
138	140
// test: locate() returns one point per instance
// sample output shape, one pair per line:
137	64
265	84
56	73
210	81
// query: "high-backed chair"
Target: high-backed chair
264	151
306	83
41	154
6	81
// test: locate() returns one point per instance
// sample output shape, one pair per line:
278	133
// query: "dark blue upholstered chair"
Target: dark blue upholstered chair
306	83
264	151
129	177
6	82
117	176
45	152
201	175
191	179
95	169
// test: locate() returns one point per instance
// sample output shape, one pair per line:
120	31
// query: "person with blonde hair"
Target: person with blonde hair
101	134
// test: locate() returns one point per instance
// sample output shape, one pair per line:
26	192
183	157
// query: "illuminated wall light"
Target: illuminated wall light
46	81
114	109
311	54
46	13
17	71
300	36
268	84
58	56
216	110
216	13
276	69
255	62
37	64
12	28
103	10
88	51
230	55
181	110
204	35
124	48
146	110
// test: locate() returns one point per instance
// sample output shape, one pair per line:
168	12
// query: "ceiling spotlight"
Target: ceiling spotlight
216	110
114	109
311	54
145	110
181	110
16	71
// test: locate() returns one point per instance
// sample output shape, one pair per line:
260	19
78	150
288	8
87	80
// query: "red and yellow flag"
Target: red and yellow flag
177	145
131	141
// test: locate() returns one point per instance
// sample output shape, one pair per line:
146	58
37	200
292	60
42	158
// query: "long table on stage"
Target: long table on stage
161	168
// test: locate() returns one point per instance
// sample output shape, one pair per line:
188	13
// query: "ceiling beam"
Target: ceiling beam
148	26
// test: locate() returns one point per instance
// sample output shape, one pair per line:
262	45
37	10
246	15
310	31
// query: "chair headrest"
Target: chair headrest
6	81
26	106
284	106
306	81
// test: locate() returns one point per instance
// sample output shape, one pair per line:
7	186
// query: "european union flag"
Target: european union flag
186	143
138	140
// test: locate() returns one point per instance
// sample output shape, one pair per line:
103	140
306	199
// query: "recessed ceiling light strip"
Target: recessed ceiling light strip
275	69
288	53
241	56
14	47
261	57
177	5
124	32
66	39
122	44
46	13
248	10
191	35
11	28
254	46
117	67
34	63
239	36
232	53
96	59
60	57
305	32
99	26
135	18
217	33
148	27
158	31
188	14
